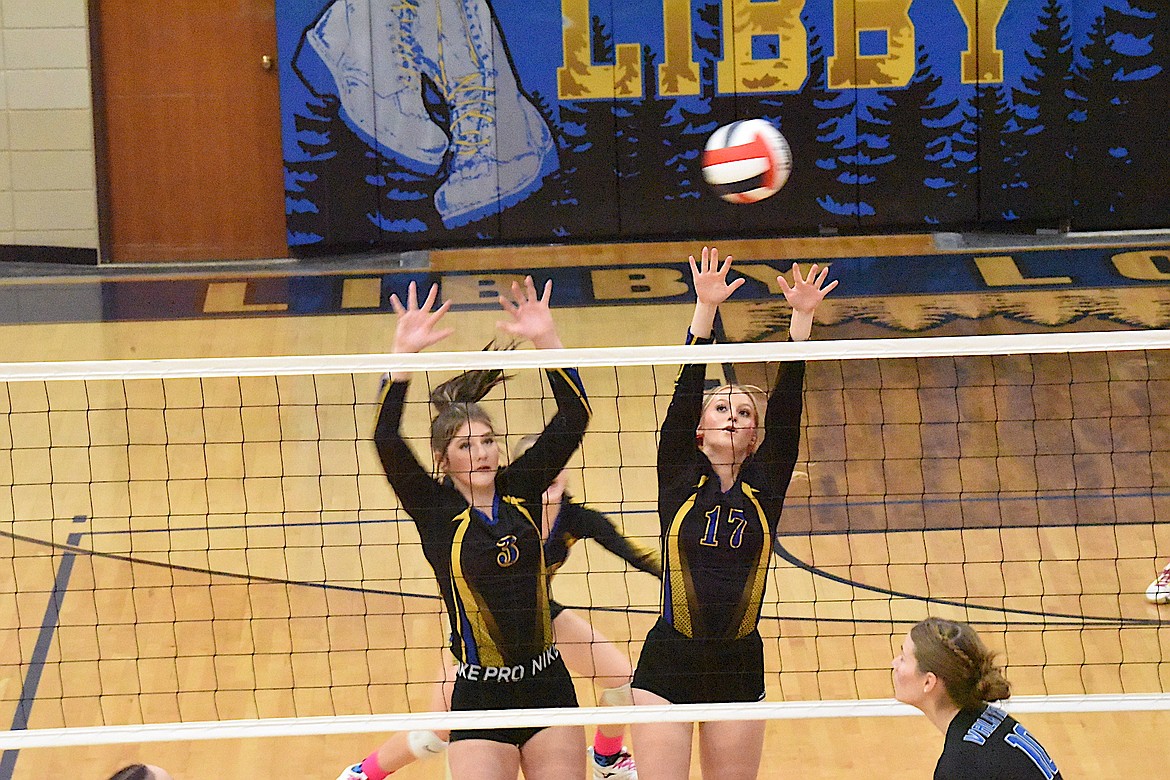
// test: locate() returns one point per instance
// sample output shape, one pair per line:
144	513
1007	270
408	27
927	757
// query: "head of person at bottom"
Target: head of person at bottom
463	437
730	427
944	667
141	772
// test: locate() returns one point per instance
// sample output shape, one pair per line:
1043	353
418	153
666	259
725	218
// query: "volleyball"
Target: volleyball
746	161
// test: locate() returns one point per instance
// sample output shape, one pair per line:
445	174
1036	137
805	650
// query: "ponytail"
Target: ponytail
456	401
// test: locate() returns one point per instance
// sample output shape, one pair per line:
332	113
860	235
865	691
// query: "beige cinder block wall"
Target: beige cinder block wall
48	192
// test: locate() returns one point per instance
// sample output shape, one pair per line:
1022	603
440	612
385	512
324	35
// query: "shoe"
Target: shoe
353	773
621	769
501	148
1159	590
380	81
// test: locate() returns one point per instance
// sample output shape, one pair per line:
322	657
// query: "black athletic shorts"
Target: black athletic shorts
700	671
541	682
555	608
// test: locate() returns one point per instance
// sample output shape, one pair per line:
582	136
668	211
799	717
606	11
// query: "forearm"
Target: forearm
800	328
401	375
390	408
703	321
564	431
550	340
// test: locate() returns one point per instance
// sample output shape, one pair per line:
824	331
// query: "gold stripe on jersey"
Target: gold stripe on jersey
541	592
484	630
682	585
576	389
753	592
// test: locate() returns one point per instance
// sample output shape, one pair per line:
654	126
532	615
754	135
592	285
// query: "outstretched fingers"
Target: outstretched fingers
820	282
708	262
438	313
710	277
726	266
526	294
412	300
416	328
431	295
805	292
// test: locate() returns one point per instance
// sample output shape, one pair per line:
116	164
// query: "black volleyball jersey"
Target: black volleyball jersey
716	546
490	570
988	744
575	522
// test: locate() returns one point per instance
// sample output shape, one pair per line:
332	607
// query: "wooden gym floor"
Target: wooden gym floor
156	625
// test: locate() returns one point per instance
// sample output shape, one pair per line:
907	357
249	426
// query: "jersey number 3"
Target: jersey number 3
509	552
735	519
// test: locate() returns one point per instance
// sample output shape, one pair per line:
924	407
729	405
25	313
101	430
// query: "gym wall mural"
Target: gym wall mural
412	123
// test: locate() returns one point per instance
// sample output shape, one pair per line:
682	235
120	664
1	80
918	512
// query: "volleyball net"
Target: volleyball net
202	542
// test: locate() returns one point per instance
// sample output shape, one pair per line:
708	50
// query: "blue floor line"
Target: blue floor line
32	680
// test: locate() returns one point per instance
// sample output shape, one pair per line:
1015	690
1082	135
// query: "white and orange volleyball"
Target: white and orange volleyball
746	161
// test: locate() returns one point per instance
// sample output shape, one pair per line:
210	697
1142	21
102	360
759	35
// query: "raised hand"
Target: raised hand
806	293
530	317
710	278
415	330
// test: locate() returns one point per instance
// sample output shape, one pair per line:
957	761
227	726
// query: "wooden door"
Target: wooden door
190	167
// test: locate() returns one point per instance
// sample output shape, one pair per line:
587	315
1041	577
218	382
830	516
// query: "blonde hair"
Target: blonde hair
758	398
755	394
953	652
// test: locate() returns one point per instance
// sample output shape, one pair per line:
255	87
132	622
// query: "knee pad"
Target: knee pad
621	696
425	743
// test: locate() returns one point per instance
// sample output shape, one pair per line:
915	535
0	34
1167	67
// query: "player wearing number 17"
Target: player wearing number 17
721	486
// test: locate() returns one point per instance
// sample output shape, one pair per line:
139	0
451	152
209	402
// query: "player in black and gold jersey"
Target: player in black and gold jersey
945	670
586	651
480	531
721	486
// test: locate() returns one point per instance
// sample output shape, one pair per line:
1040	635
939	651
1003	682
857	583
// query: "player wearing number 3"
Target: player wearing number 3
480	526
721	486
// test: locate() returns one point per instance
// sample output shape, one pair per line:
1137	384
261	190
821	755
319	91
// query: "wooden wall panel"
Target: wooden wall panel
192	156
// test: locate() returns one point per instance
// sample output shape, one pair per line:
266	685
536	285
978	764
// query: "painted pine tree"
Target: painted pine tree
328	196
1044	107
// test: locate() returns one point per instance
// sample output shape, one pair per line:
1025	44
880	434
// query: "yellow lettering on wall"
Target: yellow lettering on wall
625	283
982	59
679	73
478	288
762	273
579	78
738	71
1143	265
228	297
361	293
851	18
1002	271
